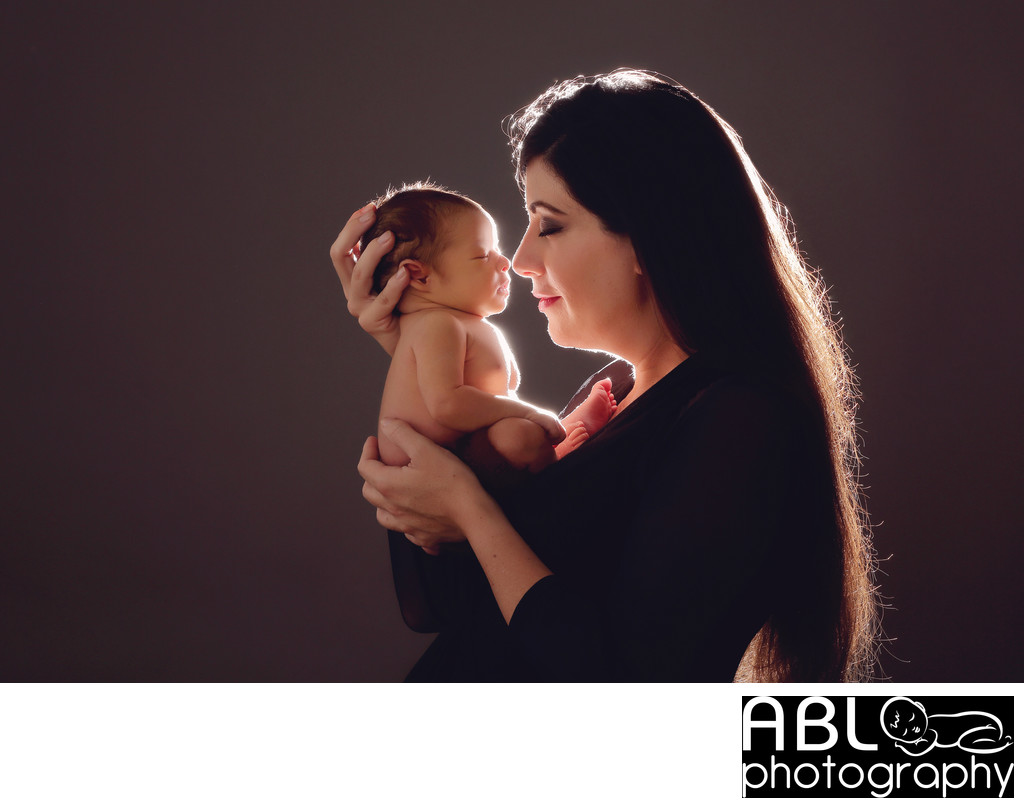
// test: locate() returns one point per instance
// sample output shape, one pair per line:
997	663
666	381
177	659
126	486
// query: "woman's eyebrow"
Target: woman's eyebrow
539	204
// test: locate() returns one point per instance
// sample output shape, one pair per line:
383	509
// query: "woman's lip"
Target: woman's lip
546	302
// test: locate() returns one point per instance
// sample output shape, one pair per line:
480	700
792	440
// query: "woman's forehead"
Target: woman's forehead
545	189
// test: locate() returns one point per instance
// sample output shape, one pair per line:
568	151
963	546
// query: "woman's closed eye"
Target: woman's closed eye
548	227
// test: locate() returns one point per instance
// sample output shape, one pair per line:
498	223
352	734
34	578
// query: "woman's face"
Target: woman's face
587	280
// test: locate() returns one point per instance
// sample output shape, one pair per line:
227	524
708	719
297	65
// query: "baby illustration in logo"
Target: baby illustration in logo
916	732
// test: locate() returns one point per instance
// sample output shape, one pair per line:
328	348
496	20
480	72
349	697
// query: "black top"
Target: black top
670	534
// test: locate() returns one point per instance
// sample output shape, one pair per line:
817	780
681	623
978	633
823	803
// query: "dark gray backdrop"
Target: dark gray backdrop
185	397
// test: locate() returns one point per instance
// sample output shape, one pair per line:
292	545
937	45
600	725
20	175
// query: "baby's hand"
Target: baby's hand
549	422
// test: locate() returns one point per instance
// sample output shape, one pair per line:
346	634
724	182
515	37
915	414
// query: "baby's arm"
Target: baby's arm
439	346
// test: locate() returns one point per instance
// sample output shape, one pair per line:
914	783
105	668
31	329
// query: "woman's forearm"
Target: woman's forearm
436	491
511	567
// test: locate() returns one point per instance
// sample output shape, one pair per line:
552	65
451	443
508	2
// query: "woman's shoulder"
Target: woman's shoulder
744	397
700	388
741	393
739	415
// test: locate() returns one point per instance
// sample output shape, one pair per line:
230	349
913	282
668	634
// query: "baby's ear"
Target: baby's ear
419	273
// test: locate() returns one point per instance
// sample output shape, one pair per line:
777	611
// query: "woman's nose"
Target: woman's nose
525	262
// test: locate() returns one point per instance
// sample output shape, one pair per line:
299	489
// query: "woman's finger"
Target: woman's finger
408	439
345	249
389	521
426	544
382	307
360	283
369	461
398	522
381	478
373	496
371	451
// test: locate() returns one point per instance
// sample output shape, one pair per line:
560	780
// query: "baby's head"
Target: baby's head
448	245
903	719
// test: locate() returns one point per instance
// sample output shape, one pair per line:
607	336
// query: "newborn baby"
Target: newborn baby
452	375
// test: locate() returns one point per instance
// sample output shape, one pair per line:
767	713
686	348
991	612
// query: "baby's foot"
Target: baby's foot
595	411
576	437
587	418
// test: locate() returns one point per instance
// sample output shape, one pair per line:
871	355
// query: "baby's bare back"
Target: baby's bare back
488	366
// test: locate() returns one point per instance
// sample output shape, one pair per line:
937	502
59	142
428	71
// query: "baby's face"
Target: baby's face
904	720
472	275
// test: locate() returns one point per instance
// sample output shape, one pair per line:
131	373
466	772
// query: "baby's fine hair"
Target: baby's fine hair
416	214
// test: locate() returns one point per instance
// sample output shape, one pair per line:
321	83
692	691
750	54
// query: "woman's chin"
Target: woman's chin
557	337
563	340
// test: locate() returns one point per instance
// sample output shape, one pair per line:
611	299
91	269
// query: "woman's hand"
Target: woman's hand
436	499
425	499
376	313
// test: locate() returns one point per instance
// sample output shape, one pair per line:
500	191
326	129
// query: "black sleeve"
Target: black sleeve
434	592
692	583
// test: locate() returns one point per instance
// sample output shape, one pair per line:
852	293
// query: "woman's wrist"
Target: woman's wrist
477	510
511	567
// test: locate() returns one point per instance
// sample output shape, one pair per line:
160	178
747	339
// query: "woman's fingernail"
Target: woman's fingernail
385	238
366	213
401	274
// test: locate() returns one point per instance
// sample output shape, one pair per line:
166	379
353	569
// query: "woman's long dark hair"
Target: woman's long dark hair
658	165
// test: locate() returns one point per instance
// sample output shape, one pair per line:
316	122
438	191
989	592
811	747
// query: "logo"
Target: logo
877	746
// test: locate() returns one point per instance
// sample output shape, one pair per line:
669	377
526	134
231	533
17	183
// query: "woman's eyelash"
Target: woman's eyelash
547	229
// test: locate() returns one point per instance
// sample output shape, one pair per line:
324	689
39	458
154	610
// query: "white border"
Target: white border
363	745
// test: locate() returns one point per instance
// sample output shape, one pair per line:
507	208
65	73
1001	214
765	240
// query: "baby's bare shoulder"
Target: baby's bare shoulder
431	322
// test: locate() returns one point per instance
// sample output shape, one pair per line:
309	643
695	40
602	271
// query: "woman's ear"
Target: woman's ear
419	273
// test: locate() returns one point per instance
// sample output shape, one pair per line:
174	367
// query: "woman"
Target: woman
715	520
